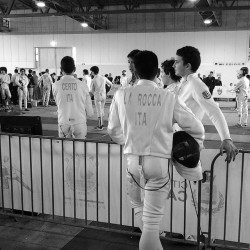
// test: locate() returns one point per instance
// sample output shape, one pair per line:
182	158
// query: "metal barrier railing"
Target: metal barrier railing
224	241
80	183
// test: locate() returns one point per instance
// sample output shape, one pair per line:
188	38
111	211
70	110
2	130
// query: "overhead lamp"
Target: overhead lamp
207	21
40	4
53	43
84	24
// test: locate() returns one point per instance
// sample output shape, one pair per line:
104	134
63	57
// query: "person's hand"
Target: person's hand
230	149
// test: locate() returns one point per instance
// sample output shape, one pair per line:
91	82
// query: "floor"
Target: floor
22	233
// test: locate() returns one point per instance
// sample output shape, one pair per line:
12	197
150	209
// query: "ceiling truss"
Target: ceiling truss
95	12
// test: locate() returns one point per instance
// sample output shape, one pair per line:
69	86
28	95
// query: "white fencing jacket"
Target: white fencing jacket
72	100
141	118
195	94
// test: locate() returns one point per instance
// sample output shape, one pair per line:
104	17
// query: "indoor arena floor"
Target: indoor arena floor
23	233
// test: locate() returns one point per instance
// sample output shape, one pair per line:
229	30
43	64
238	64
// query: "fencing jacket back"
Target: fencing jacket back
142	117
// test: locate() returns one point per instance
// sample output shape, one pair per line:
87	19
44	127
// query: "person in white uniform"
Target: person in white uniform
86	78
22	82
195	94
99	91
47	83
124	79
73	102
141	118
5	90
242	88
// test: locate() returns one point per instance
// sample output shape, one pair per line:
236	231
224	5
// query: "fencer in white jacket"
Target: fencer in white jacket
141	118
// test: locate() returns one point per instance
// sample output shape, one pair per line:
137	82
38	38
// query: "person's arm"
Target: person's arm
238	85
18	83
7	79
114	124
88	103
207	103
92	86
186	120
108	81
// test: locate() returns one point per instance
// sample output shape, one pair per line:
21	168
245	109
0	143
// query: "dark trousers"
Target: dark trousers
14	95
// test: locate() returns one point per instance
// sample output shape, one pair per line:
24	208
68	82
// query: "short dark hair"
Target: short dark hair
30	71
4	69
16	70
68	64
47	70
146	64
85	71
167	67
133	53
22	70
94	69
190	55
244	71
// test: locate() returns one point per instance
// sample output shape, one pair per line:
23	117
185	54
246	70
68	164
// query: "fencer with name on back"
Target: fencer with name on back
141	118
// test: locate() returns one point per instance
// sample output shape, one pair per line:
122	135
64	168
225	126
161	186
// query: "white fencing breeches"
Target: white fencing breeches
150	210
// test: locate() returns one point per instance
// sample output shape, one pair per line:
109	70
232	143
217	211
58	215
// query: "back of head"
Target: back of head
244	71
4	69
86	72
167	67
94	69
68	65
16	70
190	55
146	64
133	53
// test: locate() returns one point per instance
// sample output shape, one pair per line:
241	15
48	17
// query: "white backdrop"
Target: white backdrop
110	50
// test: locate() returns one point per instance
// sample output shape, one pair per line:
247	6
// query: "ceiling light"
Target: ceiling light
207	21
40	4
84	25
53	43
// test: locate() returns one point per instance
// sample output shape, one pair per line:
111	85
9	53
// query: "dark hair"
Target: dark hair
94	69
106	75
4	69
16	70
22	69
133	53
248	77
47	70
30	71
244	71
190	55
68	64
167	67
85	71
146	64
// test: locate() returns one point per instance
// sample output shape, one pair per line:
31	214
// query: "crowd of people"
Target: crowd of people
23	86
